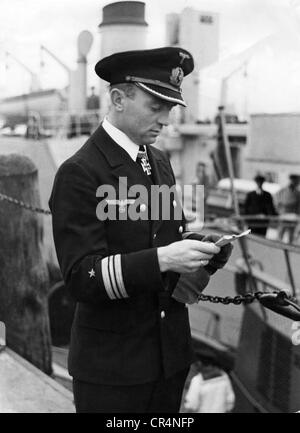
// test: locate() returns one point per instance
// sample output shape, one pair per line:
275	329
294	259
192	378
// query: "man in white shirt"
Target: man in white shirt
210	394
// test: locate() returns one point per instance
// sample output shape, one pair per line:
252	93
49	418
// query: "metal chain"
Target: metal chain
237	300
20	203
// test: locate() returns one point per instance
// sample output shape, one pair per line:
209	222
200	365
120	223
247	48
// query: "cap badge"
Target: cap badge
183	57
176	76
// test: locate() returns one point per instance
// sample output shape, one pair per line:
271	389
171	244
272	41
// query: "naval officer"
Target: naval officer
130	347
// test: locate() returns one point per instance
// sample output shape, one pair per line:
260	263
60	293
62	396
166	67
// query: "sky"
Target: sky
273	68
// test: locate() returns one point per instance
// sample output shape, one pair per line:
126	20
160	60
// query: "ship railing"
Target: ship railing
287	249
273	269
62	124
284	228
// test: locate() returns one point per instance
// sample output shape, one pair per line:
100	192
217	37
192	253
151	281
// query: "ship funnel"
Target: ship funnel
123	28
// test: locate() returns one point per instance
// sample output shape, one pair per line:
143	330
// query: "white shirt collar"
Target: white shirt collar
121	139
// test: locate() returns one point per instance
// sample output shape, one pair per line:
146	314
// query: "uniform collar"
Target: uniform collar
121	139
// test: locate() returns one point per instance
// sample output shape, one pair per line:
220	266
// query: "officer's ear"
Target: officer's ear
117	97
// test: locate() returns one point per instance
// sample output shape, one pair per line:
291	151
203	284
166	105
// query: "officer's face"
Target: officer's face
144	116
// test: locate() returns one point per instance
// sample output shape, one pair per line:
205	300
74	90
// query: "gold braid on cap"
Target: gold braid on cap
154	82
160	95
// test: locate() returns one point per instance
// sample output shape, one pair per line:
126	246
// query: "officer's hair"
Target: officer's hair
128	88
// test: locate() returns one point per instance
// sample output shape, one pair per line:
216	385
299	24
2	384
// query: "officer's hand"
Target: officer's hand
186	256
219	260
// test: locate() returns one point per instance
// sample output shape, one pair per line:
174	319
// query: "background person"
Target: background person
210	391
93	100
288	205
259	202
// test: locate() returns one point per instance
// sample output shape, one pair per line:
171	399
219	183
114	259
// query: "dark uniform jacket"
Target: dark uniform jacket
127	328
259	204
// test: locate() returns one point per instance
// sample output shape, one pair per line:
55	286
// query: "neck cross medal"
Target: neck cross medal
145	165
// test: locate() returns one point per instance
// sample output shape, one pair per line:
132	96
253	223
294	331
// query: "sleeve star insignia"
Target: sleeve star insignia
92	273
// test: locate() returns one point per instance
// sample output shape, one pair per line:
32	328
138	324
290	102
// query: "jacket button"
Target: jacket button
162	314
143	207
180	229
154	236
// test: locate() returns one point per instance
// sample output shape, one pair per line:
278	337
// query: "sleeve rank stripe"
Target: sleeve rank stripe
112	277
120	281
106	280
